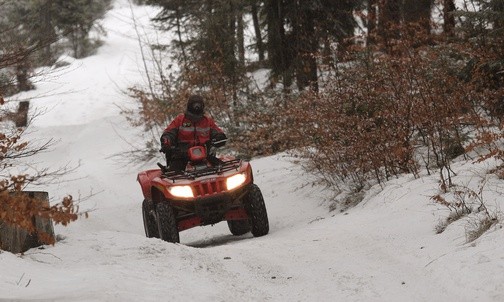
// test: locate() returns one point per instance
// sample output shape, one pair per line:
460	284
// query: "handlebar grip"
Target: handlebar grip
219	142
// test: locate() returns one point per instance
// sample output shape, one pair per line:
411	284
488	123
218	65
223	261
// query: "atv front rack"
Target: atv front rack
225	166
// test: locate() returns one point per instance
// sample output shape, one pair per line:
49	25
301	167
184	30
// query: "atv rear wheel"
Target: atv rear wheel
256	210
149	219
238	227
167	223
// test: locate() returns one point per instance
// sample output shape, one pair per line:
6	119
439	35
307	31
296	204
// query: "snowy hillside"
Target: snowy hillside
384	249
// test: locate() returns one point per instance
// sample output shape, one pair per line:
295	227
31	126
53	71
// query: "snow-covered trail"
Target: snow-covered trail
384	249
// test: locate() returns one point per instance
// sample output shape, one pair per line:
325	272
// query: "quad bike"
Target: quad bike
208	191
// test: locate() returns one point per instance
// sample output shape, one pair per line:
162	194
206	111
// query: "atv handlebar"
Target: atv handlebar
211	144
220	141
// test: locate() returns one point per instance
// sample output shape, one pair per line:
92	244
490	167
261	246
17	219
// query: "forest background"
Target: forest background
361	91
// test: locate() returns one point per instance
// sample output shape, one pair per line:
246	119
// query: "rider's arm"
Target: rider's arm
216	133
169	136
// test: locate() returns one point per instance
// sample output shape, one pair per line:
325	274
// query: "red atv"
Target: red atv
205	193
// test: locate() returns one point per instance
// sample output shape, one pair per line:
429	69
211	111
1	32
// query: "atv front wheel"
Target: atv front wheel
167	223
239	227
256	210
149	219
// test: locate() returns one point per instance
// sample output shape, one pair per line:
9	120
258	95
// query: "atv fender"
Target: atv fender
145	179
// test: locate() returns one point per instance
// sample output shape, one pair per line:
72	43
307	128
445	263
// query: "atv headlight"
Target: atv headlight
235	181
181	191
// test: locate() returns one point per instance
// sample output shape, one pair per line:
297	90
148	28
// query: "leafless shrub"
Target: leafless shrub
452	217
463	201
477	227
382	116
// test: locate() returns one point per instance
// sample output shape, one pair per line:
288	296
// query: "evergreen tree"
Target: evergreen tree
389	19
76	18
294	30
210	42
418	11
486	22
297	28
31	29
485	30
22	36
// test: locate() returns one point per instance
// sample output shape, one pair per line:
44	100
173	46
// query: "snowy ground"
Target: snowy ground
384	249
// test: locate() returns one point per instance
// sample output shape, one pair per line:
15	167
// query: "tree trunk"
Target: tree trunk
21	118
23	76
388	22
48	33
230	46
17	240
277	45
257	30
306	47
448	17
240	37
371	21
418	11
179	35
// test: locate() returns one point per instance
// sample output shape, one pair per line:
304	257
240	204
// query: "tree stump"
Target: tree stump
21	118
17	240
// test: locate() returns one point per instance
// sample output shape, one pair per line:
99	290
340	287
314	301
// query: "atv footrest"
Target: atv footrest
236	214
189	223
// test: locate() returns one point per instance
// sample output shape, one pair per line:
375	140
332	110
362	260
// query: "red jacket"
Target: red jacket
183	130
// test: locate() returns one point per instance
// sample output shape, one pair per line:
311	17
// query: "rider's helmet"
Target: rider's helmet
196	104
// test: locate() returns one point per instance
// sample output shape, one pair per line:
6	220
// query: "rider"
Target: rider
192	128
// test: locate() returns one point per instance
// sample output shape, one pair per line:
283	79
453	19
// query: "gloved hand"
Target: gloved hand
220	138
